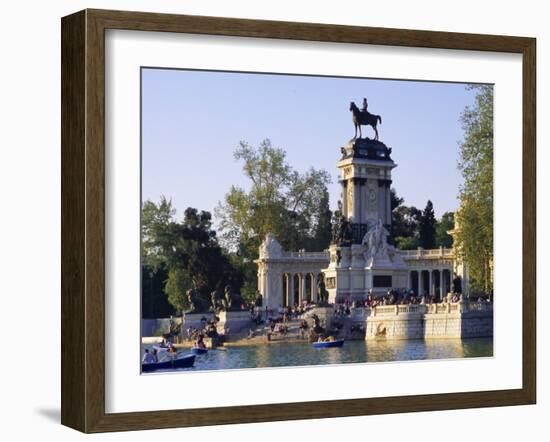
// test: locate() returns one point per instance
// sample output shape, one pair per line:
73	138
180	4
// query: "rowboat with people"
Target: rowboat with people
185	361
199	350
328	343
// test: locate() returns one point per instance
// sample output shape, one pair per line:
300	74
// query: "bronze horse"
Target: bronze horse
364	118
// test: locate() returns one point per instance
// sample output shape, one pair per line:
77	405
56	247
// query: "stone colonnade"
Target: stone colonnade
431	282
299	287
289	278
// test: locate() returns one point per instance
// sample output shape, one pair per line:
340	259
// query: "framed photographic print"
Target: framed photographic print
275	220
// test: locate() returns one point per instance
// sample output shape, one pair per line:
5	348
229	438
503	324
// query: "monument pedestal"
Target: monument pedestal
356	269
325	315
195	320
235	321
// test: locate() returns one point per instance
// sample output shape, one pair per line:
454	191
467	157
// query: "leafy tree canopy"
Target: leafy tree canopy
291	205
426	228
474	219
188	251
446	223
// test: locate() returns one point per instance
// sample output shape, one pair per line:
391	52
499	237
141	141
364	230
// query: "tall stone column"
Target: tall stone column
292	290
357	208
364	202
264	284
314	288
430	287
420	283
344	198
388	203
261	285
302	287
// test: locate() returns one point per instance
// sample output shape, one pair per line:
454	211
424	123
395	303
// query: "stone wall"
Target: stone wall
449	320
155	327
442	325
195	320
396	322
234	321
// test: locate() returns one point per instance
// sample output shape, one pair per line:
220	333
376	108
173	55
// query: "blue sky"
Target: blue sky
192	121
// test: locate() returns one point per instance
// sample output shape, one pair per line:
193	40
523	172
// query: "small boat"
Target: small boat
328	344
181	362
198	350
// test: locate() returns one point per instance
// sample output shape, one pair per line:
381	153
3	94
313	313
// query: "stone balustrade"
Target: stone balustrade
302	254
418	321
421	253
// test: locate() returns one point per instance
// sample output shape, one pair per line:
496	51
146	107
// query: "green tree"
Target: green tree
446	223
195	259
395	200
323	227
291	205
154	302
406	242
405	221
426	228
155	221
176	285
187	253
281	201
474	219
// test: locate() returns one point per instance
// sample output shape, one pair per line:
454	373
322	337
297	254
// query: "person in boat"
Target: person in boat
200	342
171	348
147	357
155	355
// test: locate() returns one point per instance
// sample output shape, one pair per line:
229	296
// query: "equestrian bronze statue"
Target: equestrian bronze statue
364	118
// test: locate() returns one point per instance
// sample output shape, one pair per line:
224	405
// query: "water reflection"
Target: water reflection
435	349
301	354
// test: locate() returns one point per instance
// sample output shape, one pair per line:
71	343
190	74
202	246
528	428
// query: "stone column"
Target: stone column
290	299
302	287
420	283
314	288
388	203
344	198
265	284
430	287
261	283
357	209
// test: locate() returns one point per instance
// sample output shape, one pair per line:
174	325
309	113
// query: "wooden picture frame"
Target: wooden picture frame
83	219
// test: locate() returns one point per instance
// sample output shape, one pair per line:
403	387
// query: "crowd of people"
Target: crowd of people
399	297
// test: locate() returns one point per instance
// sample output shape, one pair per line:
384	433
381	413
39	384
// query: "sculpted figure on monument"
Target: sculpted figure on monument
345	232
322	294
376	240
340	226
364	118
317	328
233	300
259	299
197	303
217	300
271	248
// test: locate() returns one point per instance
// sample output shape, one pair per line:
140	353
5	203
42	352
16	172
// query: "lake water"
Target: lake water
300	354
